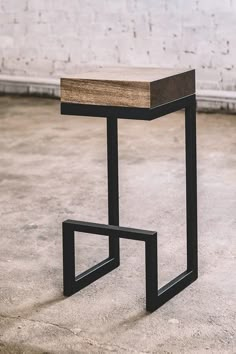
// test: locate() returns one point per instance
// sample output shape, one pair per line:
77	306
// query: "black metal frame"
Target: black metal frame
154	297
76	109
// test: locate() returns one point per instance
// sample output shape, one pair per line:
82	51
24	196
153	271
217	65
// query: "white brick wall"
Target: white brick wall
50	38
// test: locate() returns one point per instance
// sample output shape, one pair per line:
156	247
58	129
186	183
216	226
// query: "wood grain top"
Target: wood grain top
128	87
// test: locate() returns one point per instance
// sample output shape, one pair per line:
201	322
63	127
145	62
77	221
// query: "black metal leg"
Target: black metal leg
151	274
68	259
113	185
155	300
191	188
73	283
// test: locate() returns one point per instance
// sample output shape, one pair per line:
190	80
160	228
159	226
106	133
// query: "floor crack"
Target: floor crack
39	321
81	337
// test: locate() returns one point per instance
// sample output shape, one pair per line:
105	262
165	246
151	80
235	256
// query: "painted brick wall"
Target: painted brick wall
49	38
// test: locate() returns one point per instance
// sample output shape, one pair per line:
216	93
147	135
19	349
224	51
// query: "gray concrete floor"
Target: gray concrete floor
52	168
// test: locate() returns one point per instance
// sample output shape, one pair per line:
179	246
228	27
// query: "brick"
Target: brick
46	38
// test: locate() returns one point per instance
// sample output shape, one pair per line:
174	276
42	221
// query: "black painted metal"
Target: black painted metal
126	112
113	185
109	230
191	188
73	283
154	297
151	274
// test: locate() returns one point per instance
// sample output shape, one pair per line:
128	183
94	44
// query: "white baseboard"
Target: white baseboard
216	101
24	85
207	100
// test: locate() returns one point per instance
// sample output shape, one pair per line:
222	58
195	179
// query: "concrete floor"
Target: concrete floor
53	168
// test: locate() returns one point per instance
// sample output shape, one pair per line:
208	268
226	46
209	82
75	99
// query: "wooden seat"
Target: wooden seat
128	87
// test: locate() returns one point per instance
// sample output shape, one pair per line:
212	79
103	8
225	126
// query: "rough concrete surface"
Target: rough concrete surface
52	168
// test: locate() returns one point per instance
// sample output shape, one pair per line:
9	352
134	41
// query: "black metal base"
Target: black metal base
154	297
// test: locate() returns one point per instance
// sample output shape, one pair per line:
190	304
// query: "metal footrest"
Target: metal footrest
154	297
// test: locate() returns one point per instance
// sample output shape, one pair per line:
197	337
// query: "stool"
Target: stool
132	93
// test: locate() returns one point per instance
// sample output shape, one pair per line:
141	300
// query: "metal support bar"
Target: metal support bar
126	112
151	274
113	185
68	259
191	188
72	283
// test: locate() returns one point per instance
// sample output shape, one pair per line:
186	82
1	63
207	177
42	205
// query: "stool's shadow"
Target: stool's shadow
132	320
13	348
29	310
